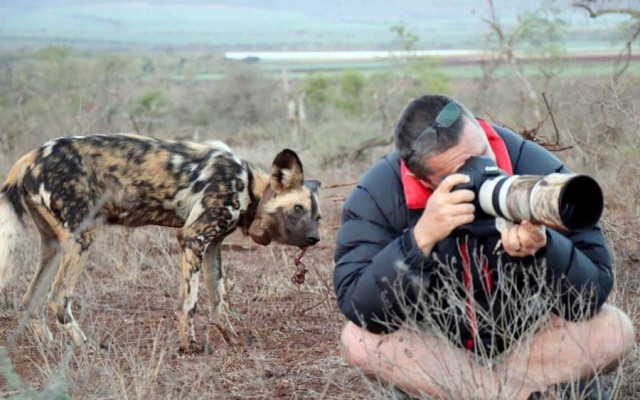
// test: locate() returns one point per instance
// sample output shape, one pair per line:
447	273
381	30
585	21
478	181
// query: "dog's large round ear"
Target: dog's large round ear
286	171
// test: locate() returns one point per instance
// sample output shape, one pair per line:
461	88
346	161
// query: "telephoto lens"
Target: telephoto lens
565	202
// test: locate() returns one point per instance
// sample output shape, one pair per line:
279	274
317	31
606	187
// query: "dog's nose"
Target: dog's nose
313	240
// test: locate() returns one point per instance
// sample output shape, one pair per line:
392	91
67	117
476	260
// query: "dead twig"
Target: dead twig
134	123
354	155
553	120
533	134
556	145
337	198
338	185
624	57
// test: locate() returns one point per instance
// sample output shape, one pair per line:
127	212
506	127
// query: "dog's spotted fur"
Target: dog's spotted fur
70	185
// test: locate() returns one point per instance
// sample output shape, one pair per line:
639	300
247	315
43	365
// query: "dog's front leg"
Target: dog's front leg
192	253
214	281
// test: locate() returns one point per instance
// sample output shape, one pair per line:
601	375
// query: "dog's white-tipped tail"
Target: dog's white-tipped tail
10	228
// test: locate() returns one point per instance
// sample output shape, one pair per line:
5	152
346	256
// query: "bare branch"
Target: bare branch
134	123
353	155
339	185
506	44
553	120
625	54
593	13
624	59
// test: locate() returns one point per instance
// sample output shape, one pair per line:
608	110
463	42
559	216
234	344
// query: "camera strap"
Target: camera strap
468	284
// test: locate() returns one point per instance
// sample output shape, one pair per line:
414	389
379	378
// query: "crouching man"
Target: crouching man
437	312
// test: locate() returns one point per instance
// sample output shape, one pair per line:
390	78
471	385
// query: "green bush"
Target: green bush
352	89
151	102
317	89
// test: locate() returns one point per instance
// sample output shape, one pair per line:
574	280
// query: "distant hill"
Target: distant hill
263	24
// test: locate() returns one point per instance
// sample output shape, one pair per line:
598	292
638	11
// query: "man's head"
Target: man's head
435	135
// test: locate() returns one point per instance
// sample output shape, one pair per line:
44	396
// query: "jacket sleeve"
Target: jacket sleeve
578	263
580	270
375	264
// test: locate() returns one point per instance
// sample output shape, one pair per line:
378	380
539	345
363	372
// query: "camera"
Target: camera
565	202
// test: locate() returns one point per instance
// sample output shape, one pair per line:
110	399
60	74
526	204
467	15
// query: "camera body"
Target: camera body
479	170
565	202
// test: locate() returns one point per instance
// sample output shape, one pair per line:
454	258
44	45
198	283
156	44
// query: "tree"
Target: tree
406	37
148	107
506	43
599	8
317	88
542	32
352	86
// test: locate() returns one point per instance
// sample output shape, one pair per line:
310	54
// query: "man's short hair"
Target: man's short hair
418	115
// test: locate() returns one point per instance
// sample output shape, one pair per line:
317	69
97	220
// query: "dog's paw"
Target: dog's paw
192	347
228	333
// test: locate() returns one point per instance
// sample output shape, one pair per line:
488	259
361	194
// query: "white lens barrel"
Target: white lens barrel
560	201
503	195
492	196
485	195
507	197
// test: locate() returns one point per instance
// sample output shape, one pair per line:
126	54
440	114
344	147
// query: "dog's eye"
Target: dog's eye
298	208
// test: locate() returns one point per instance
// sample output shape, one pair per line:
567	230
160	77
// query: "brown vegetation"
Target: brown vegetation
289	333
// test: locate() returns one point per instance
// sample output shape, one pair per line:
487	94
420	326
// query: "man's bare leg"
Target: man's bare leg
423	364
570	351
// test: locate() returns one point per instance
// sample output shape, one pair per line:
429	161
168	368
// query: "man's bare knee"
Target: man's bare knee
355	349
618	331
610	337
351	345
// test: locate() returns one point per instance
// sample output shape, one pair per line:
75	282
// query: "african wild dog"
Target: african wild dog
70	185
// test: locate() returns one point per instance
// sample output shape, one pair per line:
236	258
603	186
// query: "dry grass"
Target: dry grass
289	333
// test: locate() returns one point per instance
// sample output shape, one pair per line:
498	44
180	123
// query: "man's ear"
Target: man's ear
312	185
286	171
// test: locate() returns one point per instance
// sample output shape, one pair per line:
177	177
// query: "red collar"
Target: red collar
417	194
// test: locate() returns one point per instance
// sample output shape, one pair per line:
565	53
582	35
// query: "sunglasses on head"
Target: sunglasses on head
428	139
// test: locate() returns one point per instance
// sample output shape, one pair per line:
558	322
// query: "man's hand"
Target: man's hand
523	239
445	211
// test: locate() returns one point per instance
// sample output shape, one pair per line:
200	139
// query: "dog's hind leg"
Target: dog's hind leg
74	258
49	248
214	281
48	251
39	287
36	295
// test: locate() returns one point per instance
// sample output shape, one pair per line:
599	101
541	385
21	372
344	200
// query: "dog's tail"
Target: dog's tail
12	210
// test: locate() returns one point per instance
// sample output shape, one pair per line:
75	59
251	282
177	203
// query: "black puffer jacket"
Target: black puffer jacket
377	257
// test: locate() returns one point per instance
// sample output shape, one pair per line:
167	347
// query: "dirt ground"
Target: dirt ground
287	334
